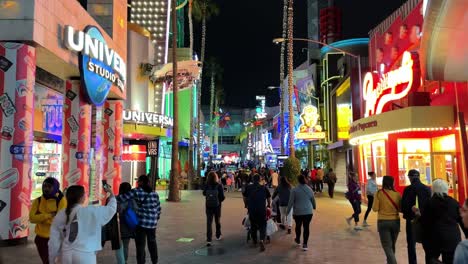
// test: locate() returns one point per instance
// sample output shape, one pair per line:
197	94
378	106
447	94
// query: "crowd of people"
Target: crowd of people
69	231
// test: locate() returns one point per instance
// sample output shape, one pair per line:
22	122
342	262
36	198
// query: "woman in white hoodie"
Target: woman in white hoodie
75	234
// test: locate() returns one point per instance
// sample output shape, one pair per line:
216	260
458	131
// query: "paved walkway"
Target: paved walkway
331	241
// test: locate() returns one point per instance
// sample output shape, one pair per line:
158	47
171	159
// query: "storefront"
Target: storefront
60	81
408	122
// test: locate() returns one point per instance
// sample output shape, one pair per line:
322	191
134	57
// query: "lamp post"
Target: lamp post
357	57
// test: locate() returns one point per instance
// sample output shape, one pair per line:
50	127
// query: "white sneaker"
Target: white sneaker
365	224
357	228
219	238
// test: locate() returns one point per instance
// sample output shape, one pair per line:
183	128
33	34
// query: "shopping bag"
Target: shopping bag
271	227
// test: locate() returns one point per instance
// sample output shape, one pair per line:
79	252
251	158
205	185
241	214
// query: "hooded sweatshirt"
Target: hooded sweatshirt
461	253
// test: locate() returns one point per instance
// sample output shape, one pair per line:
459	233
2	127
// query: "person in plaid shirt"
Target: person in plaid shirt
149	210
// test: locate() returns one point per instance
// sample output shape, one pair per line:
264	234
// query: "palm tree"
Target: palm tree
202	10
174	194
215	71
282	90
219	100
290	78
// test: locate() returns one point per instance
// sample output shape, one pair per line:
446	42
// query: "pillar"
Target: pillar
97	134
76	139
17	78
112	143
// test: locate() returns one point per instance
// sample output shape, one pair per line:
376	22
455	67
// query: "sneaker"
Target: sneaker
297	241
289	231
357	228
219	238
262	246
208	244
348	220
365	224
304	247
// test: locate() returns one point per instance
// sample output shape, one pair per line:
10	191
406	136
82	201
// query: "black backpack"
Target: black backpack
211	196
57	199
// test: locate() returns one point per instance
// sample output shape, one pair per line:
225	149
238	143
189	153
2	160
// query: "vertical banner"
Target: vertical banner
112	143
17	77
96	191
76	137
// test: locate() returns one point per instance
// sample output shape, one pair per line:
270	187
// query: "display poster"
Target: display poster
48	110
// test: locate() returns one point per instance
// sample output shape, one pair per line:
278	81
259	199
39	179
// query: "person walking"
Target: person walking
313	179
111	232
332	179
415	194
371	189
461	252
214	197
255	197
149	211
354	196
42	213
283	192
274	179
387	204
126	233
75	233
320	175
440	221
302	203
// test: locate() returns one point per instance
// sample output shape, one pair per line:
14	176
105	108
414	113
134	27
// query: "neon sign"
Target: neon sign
309	130
378	90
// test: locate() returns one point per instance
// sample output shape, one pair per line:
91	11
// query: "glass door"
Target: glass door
445	168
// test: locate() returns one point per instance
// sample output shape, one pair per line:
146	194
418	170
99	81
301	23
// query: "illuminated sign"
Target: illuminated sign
363	126
309	130
145	118
260	109
100	66
378	90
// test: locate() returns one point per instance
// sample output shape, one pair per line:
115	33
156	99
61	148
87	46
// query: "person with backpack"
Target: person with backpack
387	204
148	212
75	233
214	196
42	213
127	217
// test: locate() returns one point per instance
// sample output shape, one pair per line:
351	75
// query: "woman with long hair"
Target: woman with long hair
75	233
302	202
354	196
125	232
148	212
214	196
387	204
283	191
371	189
441	222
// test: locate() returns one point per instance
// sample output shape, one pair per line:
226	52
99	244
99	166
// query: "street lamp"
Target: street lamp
358	57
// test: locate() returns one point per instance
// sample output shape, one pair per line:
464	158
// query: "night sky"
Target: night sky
240	38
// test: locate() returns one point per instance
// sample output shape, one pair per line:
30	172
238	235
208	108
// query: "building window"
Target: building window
375	159
414	154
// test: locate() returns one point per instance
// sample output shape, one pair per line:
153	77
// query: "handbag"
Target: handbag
416	227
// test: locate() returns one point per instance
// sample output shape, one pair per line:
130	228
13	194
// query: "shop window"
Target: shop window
375	159
414	154
444	144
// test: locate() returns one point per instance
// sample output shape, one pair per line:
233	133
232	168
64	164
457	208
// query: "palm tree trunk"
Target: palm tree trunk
290	78
212	98
190	18
199	89
191	146
282	90
174	194
216	122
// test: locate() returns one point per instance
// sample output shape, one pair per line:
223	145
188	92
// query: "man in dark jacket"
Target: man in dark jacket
423	194
255	198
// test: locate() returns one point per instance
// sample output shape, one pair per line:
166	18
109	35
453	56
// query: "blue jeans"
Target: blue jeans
412	259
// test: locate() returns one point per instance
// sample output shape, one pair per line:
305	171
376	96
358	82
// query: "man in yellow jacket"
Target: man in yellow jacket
42	214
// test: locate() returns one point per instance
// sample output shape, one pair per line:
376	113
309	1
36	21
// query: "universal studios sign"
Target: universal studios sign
100	66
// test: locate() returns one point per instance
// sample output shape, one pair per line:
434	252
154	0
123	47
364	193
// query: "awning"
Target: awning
443	43
415	118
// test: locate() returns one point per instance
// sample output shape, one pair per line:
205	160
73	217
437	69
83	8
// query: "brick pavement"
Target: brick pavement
331	240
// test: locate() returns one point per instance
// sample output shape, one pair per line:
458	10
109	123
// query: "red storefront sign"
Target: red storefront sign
380	89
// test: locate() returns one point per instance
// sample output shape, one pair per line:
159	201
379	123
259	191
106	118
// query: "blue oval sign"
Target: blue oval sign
100	66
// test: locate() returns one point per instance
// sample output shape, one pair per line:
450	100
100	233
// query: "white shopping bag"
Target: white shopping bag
271	227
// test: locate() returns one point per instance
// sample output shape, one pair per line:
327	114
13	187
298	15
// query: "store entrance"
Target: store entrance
445	168
47	162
